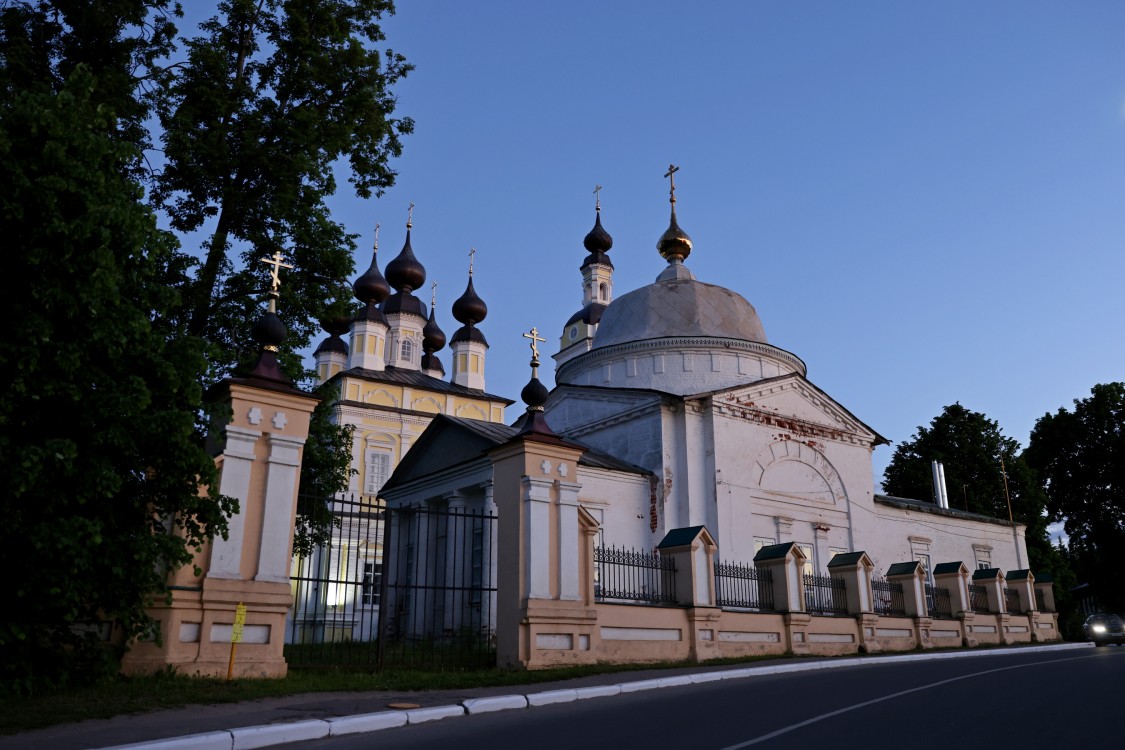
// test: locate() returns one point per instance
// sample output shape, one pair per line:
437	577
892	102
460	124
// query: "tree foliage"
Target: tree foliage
273	95
98	427
1079	456
975	454
117	331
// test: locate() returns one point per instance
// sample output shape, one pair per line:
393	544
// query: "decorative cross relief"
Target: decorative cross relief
254	416
562	470
280	420
546	466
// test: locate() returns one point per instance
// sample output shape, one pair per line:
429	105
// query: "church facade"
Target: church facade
690	417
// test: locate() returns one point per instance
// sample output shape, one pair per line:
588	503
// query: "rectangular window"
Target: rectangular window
761	541
372	582
809	567
376	471
833	551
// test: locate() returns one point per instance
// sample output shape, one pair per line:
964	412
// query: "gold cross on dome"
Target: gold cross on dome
278	262
410	216
472	252
376	235
533	334
433	295
671	175
597	198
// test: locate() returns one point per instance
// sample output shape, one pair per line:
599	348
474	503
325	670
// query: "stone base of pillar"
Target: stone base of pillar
868	622
968	640
922	627
196	632
1002	623
704	638
552	634
797	632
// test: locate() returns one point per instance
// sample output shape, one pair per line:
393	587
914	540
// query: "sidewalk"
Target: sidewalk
274	721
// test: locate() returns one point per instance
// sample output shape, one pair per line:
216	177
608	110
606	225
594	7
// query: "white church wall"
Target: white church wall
621	503
775	486
906	535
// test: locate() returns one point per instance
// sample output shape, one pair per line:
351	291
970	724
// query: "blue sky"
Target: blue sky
922	200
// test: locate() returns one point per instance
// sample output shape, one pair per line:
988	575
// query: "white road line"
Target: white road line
873	701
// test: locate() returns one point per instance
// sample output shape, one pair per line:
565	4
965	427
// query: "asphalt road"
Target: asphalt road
1040	700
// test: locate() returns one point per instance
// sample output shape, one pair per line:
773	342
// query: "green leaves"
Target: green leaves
1079	456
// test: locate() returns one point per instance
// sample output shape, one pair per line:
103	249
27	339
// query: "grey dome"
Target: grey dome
678	307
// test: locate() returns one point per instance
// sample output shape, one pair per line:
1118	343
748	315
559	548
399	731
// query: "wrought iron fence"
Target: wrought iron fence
1012	601
336	587
939	602
825	595
889	598
396	586
634	576
743	586
978	597
439	589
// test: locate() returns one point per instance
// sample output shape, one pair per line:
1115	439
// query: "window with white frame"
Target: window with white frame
809	567
371	583
406	351
983	556
377	469
833	551
761	541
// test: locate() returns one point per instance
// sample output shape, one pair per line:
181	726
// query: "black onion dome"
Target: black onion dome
405	303
591	314
468	333
534	394
337	326
431	362
405	273
268	330
597	242
469	308
371	286
332	344
371	312
433	338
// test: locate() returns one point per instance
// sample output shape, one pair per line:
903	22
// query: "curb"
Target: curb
269	735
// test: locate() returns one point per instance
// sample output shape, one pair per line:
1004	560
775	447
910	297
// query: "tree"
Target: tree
976	455
272	96
99	427
1079	456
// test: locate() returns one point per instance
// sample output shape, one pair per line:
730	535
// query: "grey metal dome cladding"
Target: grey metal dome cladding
680	307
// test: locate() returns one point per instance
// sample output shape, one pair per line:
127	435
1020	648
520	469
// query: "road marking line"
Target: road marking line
830	714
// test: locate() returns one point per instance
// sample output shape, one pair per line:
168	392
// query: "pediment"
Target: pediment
792	403
444	444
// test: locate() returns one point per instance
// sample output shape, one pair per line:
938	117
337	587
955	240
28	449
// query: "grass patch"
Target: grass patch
134	695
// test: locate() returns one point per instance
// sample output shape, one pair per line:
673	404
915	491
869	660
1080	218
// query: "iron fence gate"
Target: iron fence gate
396	586
439	589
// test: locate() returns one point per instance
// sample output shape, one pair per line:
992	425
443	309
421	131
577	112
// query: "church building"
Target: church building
391	381
689	417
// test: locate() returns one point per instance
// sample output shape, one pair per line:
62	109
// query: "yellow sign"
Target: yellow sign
239	621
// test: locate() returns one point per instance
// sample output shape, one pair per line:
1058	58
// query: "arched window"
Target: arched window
603	292
407	350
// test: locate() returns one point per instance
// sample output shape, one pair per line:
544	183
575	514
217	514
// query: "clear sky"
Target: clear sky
923	201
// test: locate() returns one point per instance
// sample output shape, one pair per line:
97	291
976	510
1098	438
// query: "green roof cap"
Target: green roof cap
774	551
948	567
985	574
847	558
903	568
680	537
1018	575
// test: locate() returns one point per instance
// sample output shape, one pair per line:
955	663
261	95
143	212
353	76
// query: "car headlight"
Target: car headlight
1099	628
